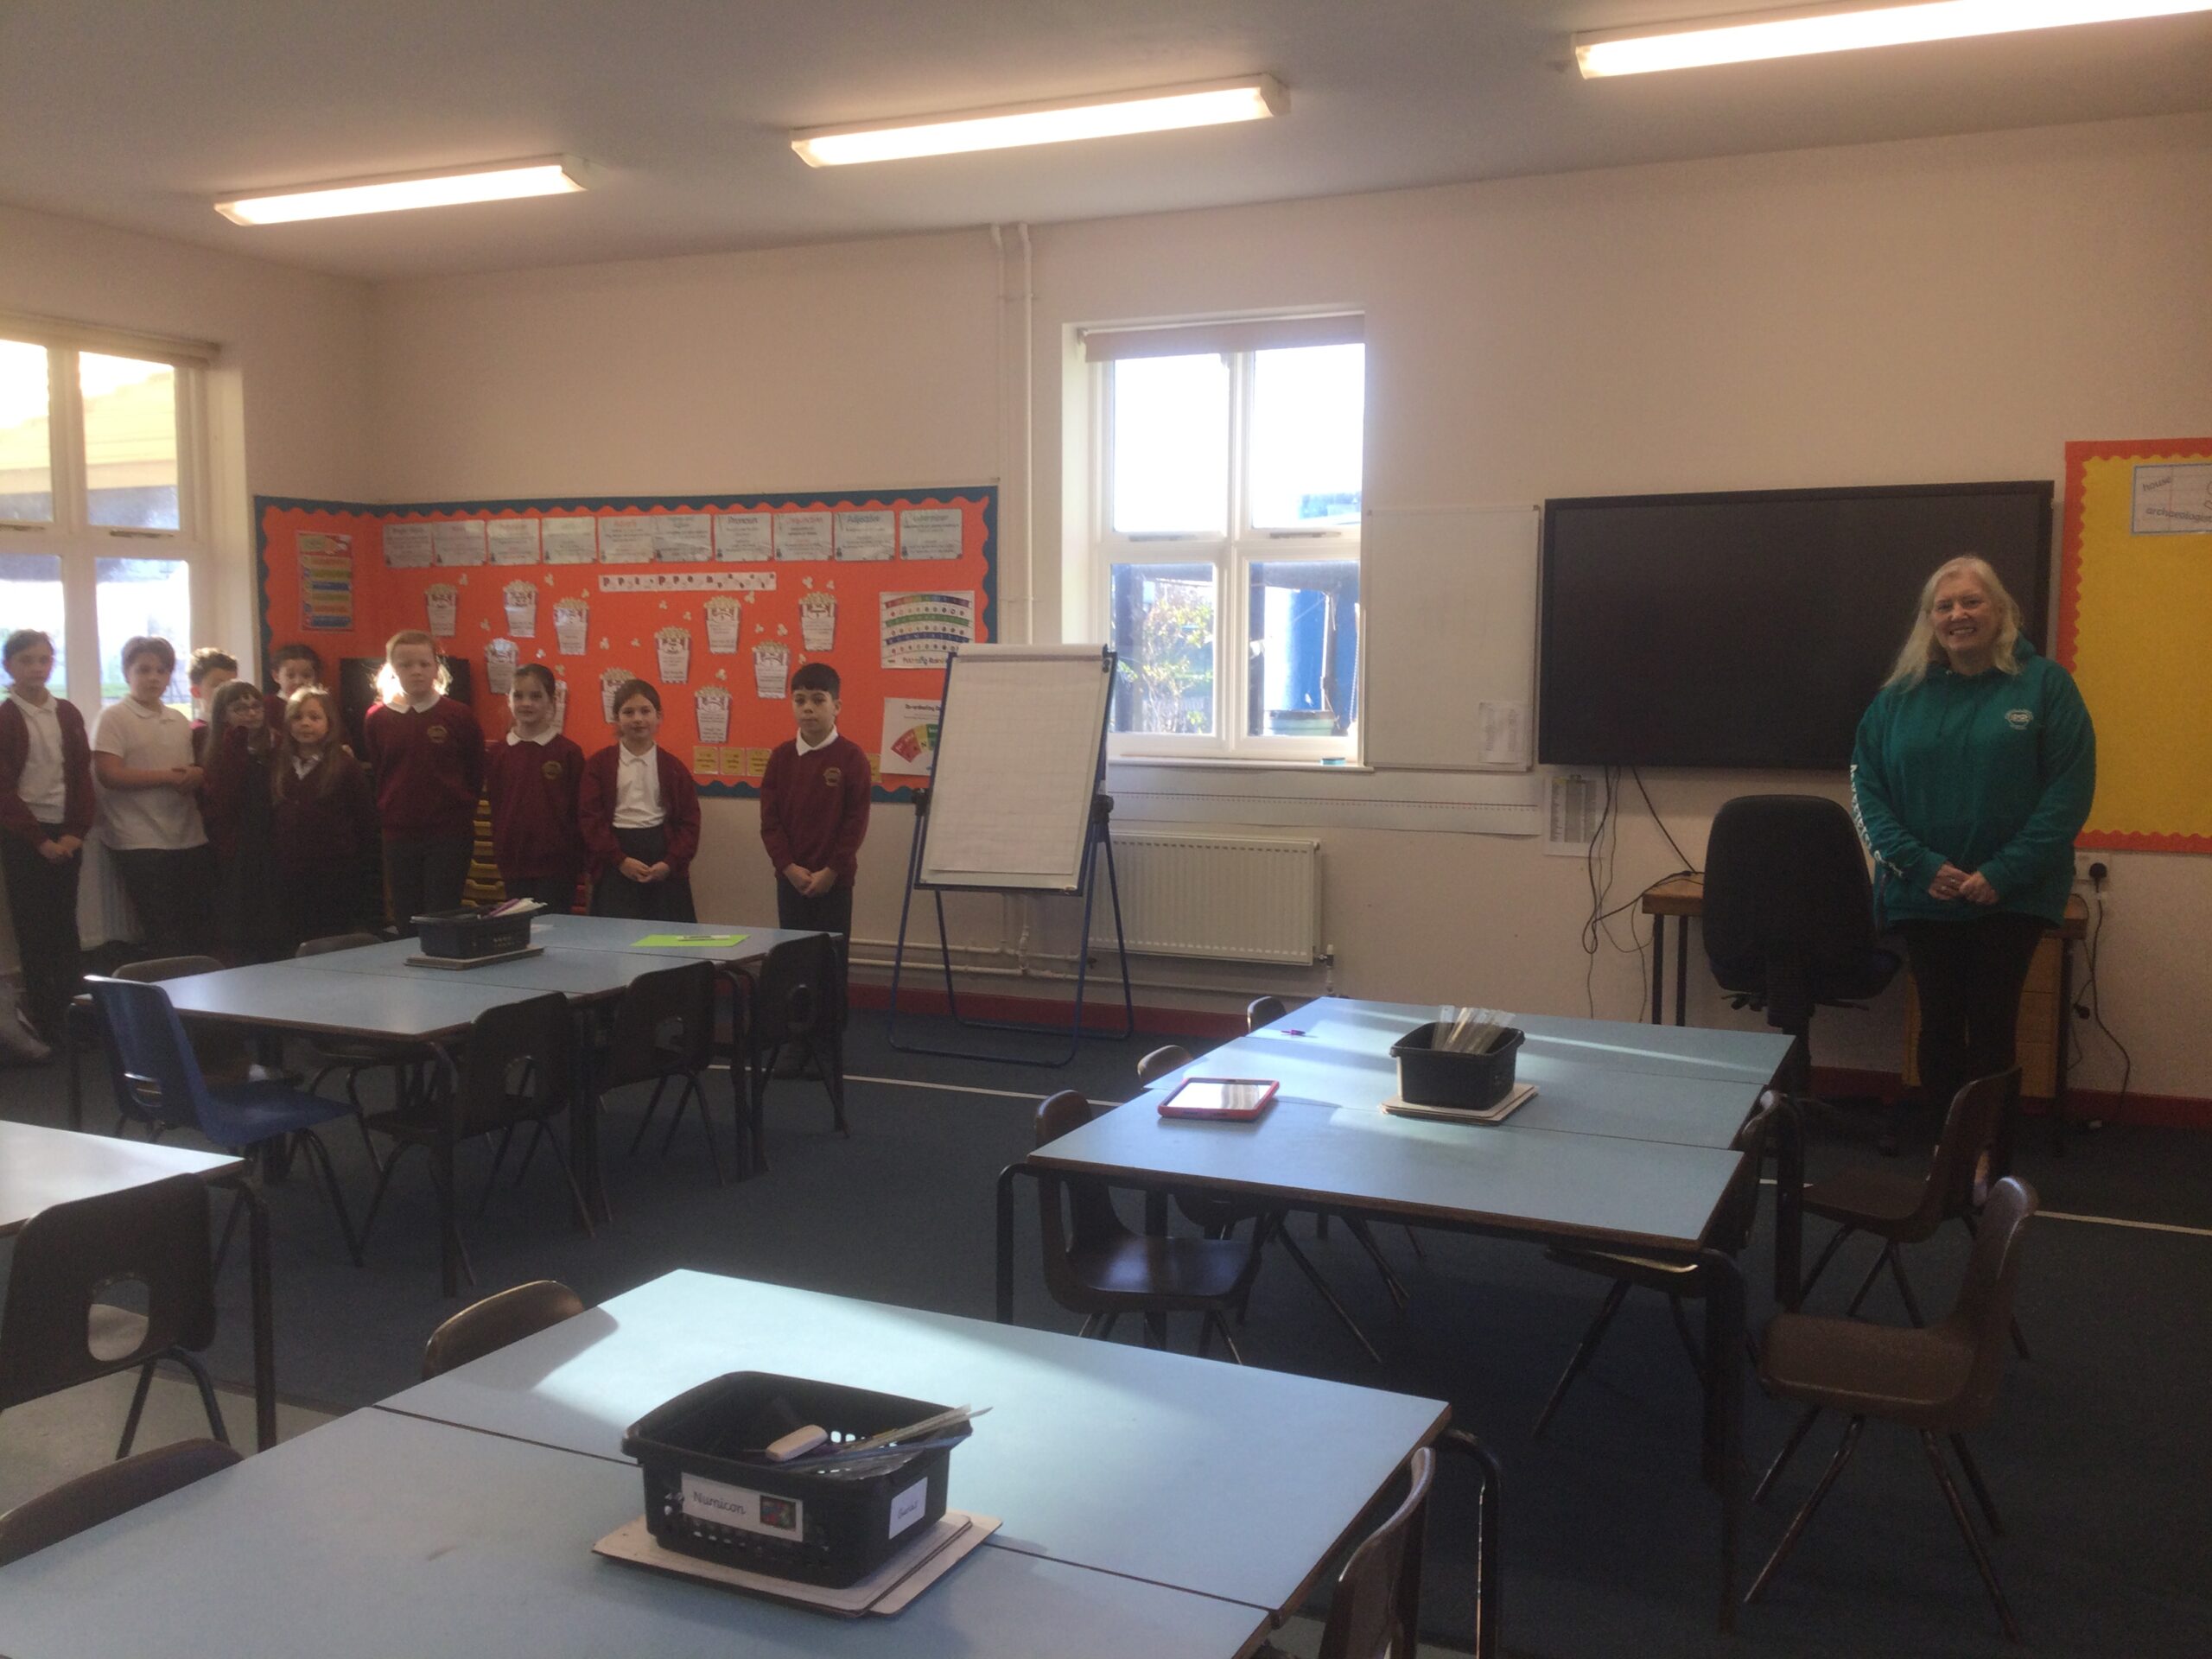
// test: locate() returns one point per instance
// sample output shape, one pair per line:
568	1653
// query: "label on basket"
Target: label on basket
906	1508
748	1511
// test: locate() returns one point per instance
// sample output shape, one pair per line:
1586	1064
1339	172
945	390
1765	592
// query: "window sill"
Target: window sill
1227	763
1309	795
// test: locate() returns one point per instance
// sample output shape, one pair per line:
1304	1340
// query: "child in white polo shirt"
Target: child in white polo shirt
150	806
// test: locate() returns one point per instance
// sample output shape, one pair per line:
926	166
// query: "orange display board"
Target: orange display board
2135	591
715	600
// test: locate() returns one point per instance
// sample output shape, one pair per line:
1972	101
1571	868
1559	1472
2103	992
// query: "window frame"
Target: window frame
82	545
1232	552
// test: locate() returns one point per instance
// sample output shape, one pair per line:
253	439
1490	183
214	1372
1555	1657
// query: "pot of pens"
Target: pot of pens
813	1481
1462	1059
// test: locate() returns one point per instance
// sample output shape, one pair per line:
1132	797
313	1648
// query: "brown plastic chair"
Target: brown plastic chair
69	1255
409	1063
798	997
1219	1217
1900	1209
517	1068
485	1328
1676	1281
1099	1268
664	1031
115	1489
222	1051
1941	1380
1375	1602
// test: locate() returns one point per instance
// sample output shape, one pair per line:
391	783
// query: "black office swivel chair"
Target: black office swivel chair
1789	912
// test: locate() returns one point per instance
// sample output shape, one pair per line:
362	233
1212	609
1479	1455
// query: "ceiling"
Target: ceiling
141	115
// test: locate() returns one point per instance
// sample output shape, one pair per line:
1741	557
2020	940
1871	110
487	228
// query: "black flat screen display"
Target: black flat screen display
1751	629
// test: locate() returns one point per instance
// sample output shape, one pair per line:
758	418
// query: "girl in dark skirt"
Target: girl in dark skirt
240	749
639	812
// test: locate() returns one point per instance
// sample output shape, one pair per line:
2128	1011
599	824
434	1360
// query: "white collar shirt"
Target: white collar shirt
805	747
515	736
44	783
637	789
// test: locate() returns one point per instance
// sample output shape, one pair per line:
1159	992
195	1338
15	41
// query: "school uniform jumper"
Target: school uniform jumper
814	805
533	783
249	911
428	762
327	843
648	812
46	793
1992	772
155	835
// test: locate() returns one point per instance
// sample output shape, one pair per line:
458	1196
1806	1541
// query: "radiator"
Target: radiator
1234	898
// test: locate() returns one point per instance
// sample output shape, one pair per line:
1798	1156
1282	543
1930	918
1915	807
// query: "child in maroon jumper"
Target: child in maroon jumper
294	667
532	776
814	802
325	823
427	752
640	811
207	671
236	804
45	811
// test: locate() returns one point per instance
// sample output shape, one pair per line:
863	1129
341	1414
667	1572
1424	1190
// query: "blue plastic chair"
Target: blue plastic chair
157	1080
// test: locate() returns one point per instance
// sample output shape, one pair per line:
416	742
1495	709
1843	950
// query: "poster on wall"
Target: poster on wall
910	735
919	630
929	533
326	582
514	541
745	537
458	541
406	547
684	537
866	537
569	541
818	621
625	541
804	535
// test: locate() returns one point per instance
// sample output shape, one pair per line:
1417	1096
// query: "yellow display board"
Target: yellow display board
2135	630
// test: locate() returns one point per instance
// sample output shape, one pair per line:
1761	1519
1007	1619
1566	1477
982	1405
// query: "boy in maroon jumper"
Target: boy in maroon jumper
814	801
531	776
294	667
428	753
45	811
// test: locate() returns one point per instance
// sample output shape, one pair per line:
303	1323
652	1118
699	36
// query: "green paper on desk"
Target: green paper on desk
664	940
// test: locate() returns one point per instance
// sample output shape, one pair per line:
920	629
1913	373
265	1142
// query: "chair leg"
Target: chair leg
1867	1283
1106	1331
137	1408
1689	1338
1321	1224
499	1161
230	1227
1214	1321
1304	1265
1788	1451
1982	1560
206	1392
1827	1254
1359	1229
1414	1238
695	1088
1797	1522
361	1112
567	1166
1981	1491
319	1155
1090	1324
1904	1286
1582	1351
652	1105
832	1066
376	1197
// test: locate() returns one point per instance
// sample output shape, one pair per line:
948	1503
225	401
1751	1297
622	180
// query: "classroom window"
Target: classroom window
102	513
1226	547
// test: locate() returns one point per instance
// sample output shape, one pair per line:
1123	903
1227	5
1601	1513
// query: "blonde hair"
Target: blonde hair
1920	645
388	678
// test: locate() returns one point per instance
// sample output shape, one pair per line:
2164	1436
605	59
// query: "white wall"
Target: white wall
1938	310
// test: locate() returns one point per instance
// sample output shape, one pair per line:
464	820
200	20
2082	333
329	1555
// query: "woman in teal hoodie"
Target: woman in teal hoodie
1972	775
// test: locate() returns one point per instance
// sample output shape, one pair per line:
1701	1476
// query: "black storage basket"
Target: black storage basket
820	1527
1431	1077
471	935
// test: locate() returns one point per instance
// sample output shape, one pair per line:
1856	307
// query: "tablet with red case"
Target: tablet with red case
1223	1100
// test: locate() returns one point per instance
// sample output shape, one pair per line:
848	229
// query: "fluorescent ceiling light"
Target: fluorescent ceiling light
499	181
1802	30
1210	104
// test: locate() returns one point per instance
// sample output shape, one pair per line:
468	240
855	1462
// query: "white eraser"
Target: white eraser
798	1441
